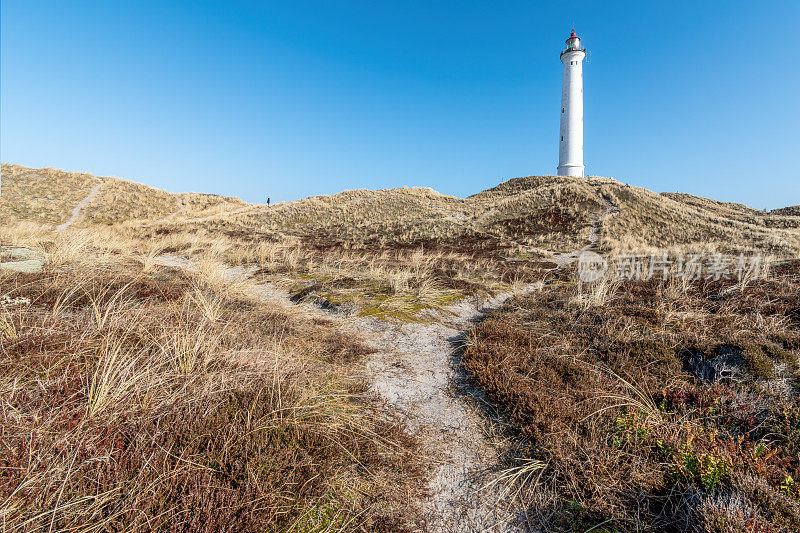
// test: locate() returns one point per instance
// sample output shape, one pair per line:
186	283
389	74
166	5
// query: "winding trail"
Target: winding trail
562	260
415	370
76	211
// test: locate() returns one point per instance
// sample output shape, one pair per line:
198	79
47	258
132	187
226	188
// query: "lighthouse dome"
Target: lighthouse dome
573	41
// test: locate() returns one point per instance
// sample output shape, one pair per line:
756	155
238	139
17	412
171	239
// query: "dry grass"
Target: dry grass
47	197
357	249
144	399
516	220
122	200
656	405
647	221
359	246
42	196
271	424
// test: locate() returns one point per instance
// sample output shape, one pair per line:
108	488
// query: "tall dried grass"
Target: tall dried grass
171	400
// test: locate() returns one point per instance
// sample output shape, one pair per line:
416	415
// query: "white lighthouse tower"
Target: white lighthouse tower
570	147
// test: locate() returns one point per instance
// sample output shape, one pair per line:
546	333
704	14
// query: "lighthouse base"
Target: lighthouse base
575	171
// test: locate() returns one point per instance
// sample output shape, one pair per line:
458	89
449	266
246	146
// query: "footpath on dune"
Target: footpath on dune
76	211
415	370
25	260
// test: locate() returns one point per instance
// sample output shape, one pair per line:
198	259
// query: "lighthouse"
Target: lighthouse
570	146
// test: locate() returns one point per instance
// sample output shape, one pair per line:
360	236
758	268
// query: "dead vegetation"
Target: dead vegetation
43	197
793	210
122	200
650	221
652	405
138	397
667	406
521	219
47	196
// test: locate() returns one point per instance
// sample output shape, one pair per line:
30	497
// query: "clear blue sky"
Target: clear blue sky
291	99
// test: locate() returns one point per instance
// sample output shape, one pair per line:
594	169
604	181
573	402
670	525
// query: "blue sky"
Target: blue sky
292	99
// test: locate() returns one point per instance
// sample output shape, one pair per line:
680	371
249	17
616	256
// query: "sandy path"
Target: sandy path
563	260
76	211
415	370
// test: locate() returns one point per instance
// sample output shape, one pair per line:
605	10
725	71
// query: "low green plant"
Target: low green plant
702	469
789	487
629	430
